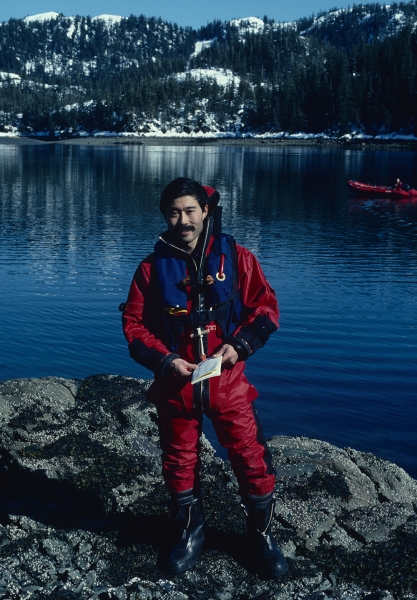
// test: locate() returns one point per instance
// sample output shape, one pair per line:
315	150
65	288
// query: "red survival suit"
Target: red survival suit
226	399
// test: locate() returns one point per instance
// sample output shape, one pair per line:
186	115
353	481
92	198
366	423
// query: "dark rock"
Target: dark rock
82	507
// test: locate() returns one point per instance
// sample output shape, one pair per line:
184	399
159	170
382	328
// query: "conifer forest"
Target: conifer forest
336	72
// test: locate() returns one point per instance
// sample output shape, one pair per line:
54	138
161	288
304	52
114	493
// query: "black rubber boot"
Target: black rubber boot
270	561
187	513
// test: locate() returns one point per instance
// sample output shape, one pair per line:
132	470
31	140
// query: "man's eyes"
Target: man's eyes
176	213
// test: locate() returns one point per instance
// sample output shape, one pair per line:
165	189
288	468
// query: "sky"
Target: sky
183	12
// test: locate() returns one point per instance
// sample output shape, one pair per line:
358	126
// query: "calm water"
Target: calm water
76	220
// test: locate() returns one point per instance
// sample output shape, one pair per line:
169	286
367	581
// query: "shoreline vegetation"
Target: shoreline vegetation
133	140
345	76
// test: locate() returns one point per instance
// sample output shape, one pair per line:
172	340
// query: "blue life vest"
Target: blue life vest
222	299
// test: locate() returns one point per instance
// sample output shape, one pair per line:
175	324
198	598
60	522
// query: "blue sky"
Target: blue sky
183	12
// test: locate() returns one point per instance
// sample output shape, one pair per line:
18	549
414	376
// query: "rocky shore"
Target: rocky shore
135	140
82	507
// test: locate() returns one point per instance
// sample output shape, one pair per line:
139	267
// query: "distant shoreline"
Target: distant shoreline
386	144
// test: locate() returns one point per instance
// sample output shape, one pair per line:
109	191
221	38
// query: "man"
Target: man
199	295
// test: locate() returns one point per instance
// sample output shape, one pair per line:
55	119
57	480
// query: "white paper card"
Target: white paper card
211	367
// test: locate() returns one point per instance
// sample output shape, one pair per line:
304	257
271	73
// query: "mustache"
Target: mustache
181	228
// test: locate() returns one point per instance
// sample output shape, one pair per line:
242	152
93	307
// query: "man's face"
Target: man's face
185	221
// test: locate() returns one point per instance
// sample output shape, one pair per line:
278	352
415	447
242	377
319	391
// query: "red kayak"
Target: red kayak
379	191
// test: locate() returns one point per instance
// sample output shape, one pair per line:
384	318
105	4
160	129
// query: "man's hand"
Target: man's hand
181	368
228	354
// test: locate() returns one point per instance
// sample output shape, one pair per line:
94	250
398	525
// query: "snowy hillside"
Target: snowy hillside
349	70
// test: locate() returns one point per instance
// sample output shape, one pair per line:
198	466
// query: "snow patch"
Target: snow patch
9	76
400	17
202	45
223	77
287	25
324	19
248	25
398	20
109	19
48	16
12	132
72	28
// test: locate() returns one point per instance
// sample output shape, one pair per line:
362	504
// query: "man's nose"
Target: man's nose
183	218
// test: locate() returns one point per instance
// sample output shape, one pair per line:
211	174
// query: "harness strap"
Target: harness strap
197	318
